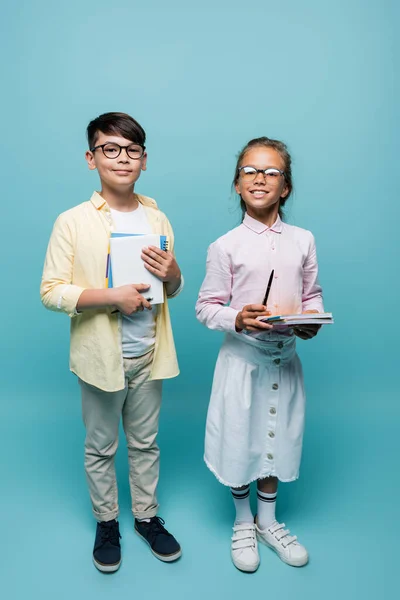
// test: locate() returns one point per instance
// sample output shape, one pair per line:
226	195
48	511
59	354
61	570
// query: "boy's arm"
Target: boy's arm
174	288
163	264
57	291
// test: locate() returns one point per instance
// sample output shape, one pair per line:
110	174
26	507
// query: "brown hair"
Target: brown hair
117	124
282	150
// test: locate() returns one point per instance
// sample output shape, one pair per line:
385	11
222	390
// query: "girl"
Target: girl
255	418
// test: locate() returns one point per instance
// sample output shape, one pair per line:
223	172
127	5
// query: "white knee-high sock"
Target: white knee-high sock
241	498
266	504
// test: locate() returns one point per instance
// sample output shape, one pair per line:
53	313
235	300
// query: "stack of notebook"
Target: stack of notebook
302	319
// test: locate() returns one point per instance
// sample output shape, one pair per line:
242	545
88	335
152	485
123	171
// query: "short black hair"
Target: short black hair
118	124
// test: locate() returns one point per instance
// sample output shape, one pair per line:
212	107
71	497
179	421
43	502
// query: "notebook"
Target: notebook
125	265
301	319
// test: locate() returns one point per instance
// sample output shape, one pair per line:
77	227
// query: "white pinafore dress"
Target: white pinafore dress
255	420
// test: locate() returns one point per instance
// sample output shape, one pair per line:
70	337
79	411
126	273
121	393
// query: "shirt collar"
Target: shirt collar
99	203
259	227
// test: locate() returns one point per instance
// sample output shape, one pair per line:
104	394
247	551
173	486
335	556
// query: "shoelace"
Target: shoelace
281	534
155	527
244	536
109	533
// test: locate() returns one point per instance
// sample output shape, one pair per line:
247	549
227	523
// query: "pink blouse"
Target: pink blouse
239	265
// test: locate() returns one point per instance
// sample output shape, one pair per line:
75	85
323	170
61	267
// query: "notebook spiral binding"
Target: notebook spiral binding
165	245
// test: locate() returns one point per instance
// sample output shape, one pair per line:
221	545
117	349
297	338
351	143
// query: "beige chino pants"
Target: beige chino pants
139	405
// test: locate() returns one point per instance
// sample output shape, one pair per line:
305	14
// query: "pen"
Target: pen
268	288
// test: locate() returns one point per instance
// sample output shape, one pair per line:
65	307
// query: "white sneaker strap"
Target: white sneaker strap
282	535
243	536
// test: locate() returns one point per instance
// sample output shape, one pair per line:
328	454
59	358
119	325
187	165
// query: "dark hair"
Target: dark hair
282	150
118	124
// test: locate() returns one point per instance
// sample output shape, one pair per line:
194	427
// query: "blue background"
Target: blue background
203	80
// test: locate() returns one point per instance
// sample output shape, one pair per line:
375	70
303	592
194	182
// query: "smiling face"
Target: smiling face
262	195
121	172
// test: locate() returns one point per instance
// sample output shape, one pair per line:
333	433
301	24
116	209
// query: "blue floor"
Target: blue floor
343	508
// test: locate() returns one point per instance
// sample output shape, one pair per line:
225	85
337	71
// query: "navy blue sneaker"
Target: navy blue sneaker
107	549
162	543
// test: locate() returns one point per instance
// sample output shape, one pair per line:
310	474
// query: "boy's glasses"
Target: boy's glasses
114	150
271	175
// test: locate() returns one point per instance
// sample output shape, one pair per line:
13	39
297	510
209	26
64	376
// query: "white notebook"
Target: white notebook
128	267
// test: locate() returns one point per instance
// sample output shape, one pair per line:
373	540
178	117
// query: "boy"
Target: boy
121	347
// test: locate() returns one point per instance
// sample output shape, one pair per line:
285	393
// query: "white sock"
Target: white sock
241	498
266	504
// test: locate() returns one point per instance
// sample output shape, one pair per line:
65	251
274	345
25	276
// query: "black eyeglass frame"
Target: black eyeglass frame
120	149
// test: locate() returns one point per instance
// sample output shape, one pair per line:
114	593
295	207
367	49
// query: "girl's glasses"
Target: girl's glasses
271	175
114	150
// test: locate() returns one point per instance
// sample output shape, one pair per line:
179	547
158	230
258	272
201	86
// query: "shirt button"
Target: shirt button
272	410
280	344
271	434
275	386
270	456
277	361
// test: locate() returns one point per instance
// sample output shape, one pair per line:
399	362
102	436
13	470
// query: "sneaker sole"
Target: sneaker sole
293	563
106	568
245	568
163	557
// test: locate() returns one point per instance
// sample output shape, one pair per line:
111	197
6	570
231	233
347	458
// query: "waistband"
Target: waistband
279	349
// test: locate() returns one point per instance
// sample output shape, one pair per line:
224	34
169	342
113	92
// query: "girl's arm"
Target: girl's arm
312	291
215	293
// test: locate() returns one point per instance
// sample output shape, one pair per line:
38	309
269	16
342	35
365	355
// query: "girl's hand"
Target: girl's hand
162	264
246	319
306	332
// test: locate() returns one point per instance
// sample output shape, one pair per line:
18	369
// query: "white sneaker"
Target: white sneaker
244	550
285	545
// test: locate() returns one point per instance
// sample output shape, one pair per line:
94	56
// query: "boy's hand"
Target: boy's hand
247	318
128	299
162	264
306	332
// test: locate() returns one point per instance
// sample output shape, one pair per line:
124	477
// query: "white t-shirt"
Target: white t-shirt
139	329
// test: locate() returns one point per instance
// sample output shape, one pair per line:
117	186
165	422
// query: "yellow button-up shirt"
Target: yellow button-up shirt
76	260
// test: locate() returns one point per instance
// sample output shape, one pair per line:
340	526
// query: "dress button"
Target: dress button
280	344
275	386
277	361
271	434
272	410
270	456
